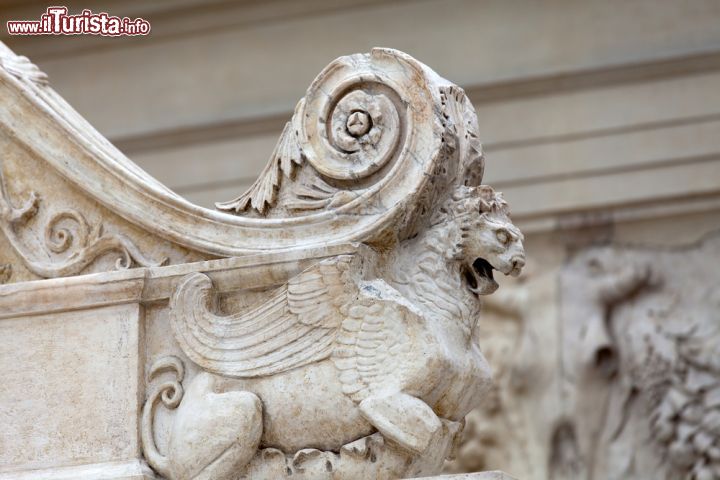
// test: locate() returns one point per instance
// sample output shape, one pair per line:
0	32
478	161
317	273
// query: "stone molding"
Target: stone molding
146	285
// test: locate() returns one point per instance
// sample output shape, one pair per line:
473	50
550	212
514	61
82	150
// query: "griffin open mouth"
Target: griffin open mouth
479	277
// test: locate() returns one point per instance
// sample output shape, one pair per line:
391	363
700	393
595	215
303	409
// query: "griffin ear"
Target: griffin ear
461	192
486	197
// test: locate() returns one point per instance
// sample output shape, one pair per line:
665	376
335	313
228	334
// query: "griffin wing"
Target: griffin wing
373	346
296	326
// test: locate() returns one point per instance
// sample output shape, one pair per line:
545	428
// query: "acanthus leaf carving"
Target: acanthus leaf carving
362	159
314	194
264	192
461	132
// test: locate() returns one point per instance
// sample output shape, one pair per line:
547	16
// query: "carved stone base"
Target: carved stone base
369	457
312	468
494	475
131	470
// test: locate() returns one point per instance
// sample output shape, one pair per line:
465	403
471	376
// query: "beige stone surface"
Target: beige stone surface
337	340
131	470
598	119
73	396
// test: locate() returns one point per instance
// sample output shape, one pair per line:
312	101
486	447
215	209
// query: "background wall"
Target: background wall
600	121
578	101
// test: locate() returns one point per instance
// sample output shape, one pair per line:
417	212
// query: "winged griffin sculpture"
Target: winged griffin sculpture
370	356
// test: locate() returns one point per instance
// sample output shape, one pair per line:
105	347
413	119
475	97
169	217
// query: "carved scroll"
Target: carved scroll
377	140
65	231
361	133
170	393
376	136
355	133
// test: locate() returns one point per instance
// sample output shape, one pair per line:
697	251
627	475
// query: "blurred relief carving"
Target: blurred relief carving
624	385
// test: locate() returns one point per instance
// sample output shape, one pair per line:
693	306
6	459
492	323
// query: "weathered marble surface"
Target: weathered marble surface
338	339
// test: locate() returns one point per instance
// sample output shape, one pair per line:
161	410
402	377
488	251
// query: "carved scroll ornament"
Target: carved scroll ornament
66	232
376	141
360	366
364	135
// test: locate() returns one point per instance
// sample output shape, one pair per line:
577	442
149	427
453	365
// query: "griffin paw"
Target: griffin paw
214	434
403	419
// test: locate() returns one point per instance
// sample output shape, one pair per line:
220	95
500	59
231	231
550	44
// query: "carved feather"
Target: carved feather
296	326
372	344
263	193
325	311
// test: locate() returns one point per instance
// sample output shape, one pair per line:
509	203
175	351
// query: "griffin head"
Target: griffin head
486	239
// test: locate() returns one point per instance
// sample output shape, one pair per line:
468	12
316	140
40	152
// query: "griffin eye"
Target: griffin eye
503	236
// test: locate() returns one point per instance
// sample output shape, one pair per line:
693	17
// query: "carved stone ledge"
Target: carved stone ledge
130	470
143	285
